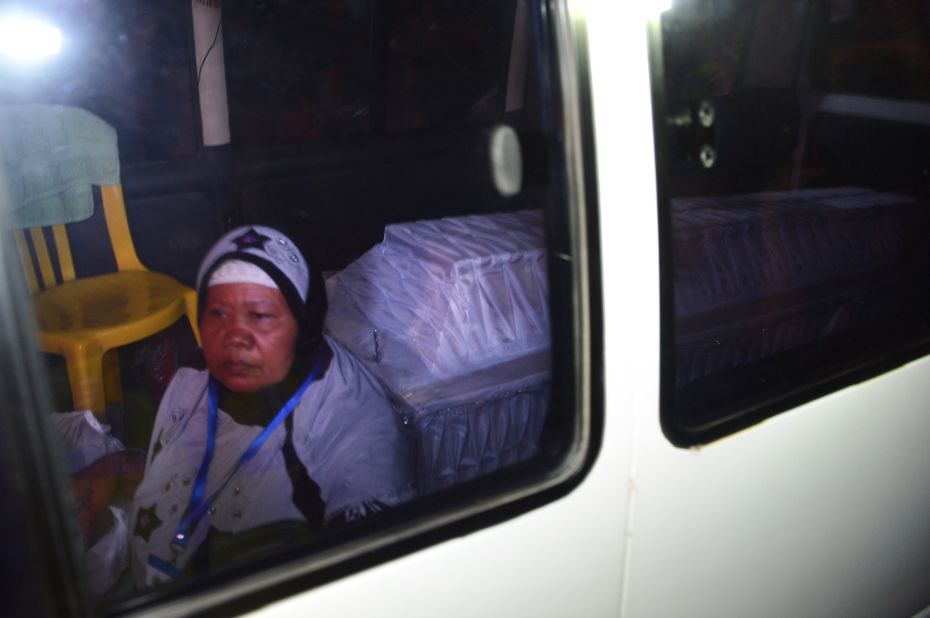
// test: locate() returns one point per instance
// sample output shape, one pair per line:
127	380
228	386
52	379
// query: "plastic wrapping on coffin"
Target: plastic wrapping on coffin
757	275
452	316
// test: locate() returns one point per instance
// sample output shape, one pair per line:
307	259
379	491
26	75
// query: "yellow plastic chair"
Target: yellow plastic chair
86	319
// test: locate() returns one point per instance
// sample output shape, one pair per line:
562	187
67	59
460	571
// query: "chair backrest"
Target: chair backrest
45	252
53	157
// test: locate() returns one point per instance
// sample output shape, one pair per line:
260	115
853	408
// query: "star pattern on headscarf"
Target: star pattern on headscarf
250	239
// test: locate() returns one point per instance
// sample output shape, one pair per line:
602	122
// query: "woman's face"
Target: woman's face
249	336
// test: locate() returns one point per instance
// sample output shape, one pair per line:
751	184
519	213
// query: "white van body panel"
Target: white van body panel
821	511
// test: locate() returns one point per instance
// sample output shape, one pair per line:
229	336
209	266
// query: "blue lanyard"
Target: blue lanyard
198	506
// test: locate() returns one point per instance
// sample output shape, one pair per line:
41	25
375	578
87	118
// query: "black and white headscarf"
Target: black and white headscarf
264	256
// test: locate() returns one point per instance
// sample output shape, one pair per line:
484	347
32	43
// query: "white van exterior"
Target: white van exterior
820	510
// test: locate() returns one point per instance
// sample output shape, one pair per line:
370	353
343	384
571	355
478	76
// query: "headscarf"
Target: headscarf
264	256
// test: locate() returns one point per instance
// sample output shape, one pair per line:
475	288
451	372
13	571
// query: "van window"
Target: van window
384	141
794	204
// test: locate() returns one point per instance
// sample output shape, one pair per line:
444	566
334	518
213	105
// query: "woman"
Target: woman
283	426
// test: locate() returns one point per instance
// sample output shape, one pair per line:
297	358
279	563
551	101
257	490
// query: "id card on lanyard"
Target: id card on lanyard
160	570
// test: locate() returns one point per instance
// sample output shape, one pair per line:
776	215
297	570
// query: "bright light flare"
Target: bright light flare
648	9
28	39
657	7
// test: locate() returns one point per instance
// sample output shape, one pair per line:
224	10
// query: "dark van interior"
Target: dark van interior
343	117
330	104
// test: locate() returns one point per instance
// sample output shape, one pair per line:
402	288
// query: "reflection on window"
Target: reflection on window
303	72
297	72
424	381
445	62
798	230
140	72
874	48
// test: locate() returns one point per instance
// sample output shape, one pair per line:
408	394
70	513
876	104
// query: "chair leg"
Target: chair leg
190	304
112	385
85	373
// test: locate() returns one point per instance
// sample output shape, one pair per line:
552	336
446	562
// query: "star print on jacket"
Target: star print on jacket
146	522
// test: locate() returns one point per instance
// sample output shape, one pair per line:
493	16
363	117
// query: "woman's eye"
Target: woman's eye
260	316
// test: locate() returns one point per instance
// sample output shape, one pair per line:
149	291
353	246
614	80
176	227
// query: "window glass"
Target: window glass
796	225
129	61
325	415
302	72
879	48
446	62
297	72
